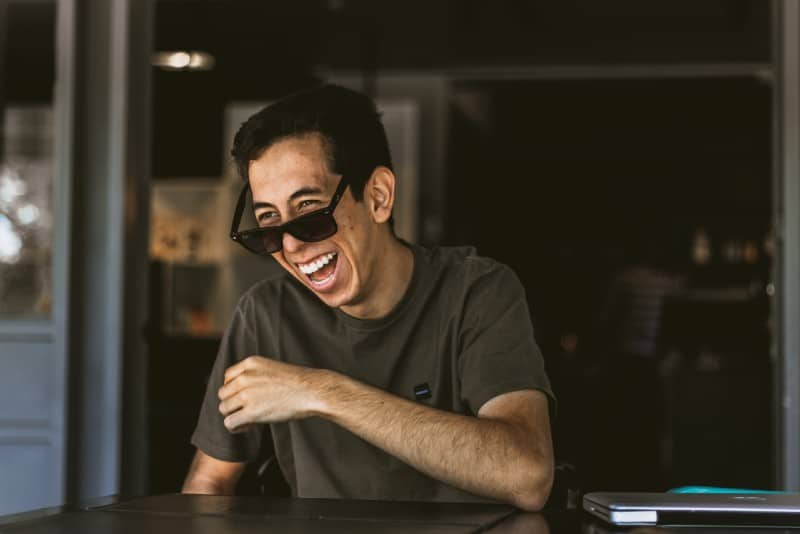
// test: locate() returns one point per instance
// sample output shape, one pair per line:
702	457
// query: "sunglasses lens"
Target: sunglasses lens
262	240
313	228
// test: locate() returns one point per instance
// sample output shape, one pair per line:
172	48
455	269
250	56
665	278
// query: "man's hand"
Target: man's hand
261	390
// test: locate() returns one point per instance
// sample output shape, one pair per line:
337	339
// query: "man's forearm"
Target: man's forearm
490	457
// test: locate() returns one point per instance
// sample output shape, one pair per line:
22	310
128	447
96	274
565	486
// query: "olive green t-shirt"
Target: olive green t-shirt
460	336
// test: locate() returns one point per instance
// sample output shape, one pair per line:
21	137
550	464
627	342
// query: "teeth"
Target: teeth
315	266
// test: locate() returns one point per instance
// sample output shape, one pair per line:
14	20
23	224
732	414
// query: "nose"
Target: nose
291	243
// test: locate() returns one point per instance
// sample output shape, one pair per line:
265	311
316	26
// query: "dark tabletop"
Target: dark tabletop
201	514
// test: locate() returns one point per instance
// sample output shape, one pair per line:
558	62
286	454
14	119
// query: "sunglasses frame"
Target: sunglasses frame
238	236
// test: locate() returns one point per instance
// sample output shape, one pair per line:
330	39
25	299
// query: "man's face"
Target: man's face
292	178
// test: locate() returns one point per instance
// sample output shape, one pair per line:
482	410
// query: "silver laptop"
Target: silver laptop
731	509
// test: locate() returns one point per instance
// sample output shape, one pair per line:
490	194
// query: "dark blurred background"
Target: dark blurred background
617	155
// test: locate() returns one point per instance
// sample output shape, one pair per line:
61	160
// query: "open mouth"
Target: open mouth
321	270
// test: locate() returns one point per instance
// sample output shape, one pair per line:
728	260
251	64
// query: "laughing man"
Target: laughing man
384	370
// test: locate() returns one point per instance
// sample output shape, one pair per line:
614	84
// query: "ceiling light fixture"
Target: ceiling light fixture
183	60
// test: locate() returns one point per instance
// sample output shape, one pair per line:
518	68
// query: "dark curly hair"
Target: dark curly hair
347	122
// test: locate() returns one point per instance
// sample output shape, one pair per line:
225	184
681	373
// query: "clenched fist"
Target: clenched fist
261	390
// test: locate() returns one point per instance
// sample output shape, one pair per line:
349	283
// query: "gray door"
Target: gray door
34	230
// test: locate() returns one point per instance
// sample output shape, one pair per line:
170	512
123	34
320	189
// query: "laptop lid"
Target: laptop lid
744	509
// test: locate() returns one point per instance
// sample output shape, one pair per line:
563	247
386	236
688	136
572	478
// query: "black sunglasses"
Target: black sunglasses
314	226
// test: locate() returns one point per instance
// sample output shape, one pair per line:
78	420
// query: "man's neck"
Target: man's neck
392	271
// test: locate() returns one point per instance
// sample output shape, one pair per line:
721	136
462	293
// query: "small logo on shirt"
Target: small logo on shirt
422	391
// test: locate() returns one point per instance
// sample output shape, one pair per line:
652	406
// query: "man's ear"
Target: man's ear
379	194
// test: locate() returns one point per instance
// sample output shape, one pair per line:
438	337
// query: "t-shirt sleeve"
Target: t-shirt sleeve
498	351
210	435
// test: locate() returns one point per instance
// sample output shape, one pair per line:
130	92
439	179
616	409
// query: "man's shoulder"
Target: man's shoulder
461	277
466	265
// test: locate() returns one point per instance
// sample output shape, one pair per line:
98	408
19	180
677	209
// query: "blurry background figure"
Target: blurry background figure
634	312
622	376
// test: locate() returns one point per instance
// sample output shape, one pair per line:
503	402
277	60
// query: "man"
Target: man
385	370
